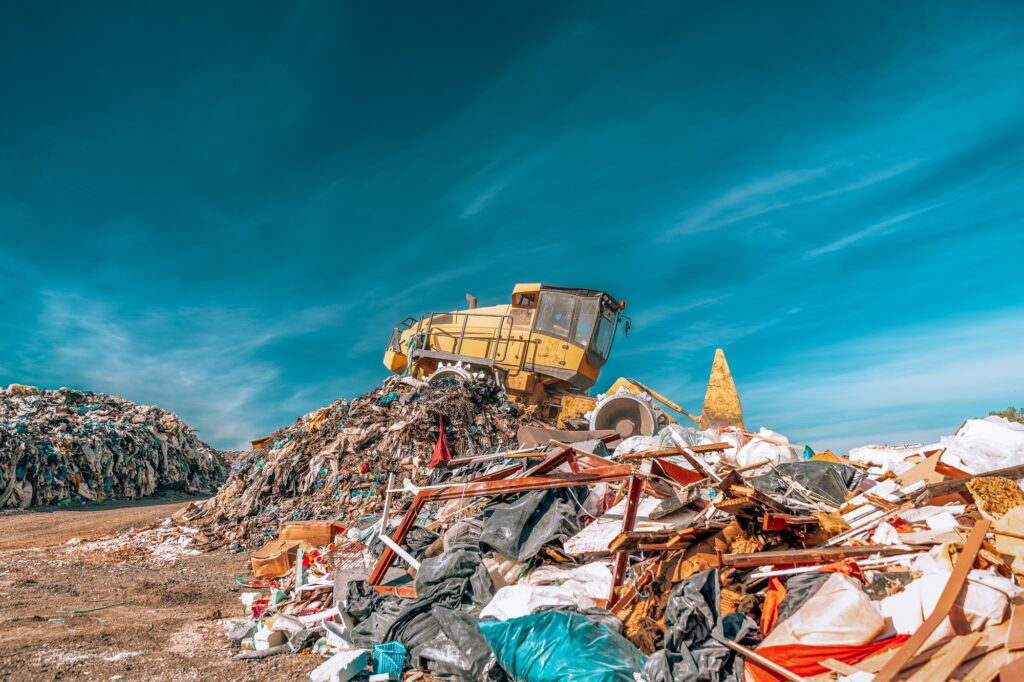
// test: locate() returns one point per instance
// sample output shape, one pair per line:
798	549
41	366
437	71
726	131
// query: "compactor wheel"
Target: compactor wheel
455	369
627	413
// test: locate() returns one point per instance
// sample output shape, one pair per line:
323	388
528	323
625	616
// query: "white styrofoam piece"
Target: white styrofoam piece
340	667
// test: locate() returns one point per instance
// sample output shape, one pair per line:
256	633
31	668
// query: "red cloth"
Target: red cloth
901	526
802	659
441	452
848	567
770	611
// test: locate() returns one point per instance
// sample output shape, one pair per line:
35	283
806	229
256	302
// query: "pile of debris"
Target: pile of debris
332	463
64	446
691	555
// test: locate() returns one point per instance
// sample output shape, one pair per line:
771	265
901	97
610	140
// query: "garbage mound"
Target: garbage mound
64	446
718	554
333	462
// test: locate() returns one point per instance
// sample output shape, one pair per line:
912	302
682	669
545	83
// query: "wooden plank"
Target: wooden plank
646	540
1012	671
388	555
735	505
808	556
959	485
947	659
629	540
839	667
533	482
985	668
964	564
1015	635
993	638
783	521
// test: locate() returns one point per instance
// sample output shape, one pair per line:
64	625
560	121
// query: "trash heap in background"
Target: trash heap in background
689	555
68	446
333	463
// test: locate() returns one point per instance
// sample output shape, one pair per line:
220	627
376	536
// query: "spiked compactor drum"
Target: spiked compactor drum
628	413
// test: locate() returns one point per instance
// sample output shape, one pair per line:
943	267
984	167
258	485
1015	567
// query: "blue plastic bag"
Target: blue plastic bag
558	645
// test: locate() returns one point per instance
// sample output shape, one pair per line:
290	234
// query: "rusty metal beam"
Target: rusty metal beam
636	485
525	483
388	555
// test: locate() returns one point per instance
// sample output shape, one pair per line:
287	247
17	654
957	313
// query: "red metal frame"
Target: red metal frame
497	484
636	485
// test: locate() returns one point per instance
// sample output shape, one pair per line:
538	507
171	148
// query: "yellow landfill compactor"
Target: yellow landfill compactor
546	349
549	342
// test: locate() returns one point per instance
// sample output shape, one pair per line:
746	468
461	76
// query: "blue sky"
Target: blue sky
223	208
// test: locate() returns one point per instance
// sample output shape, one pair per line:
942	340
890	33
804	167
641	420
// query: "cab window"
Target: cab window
605	333
585	320
554	315
525	300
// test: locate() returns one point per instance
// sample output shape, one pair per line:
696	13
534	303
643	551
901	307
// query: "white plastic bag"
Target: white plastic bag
515	601
838	614
983	602
982	445
759	450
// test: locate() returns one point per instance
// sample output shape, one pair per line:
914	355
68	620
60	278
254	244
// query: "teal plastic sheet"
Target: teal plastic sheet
557	645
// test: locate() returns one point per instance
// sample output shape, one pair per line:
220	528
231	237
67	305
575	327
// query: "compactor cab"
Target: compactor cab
583	318
547	342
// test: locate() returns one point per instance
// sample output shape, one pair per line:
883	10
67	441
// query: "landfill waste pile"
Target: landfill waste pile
710	555
334	462
64	446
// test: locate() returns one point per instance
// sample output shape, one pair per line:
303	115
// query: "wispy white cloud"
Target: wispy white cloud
913	383
698	335
877	228
484	198
779	191
211	375
501	170
745	201
677	310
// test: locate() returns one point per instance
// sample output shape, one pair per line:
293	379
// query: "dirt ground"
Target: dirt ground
170	630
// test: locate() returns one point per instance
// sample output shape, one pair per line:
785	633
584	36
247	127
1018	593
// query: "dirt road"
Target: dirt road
170	630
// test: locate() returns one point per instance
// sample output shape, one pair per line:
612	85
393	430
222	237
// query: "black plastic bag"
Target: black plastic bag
430	626
415	543
519	528
693	650
830	480
361	599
